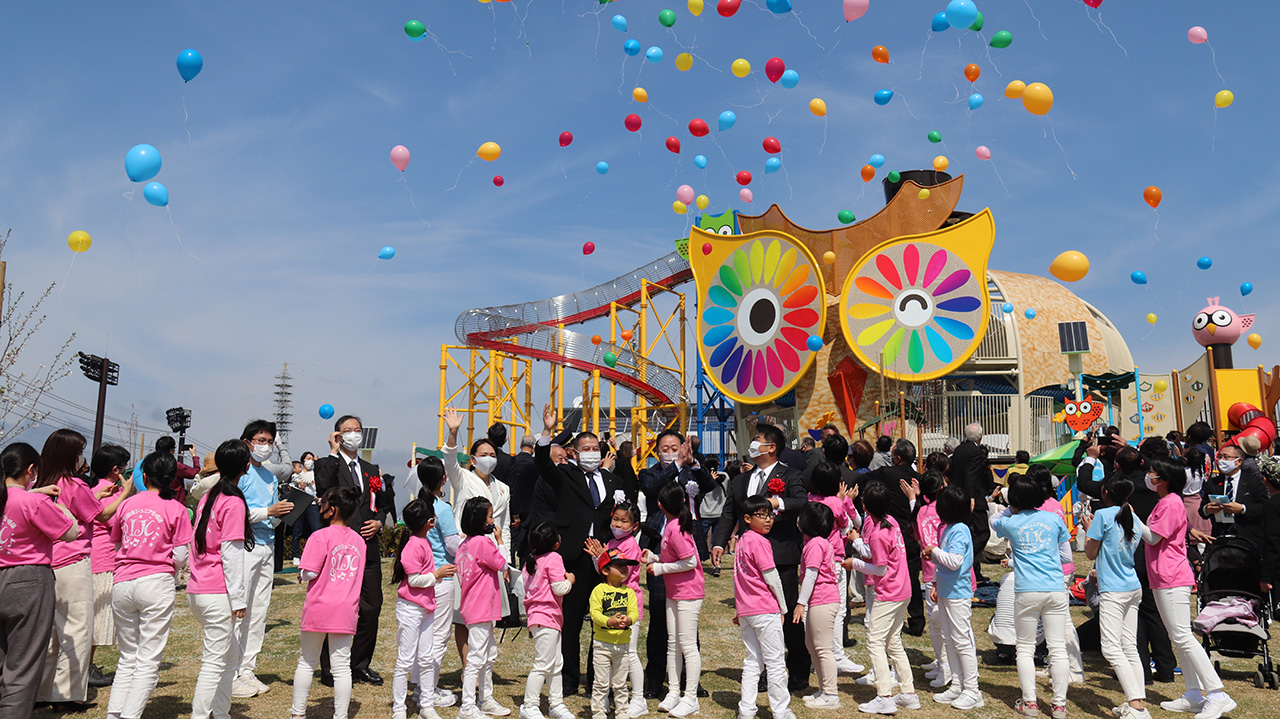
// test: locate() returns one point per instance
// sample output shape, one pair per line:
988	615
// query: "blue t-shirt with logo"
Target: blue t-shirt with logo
955	583
445	527
1115	555
261	490
1034	537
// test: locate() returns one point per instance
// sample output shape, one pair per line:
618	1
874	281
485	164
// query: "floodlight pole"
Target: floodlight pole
102	406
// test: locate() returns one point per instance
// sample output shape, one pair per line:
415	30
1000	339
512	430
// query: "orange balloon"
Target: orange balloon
1152	195
627	335
971	72
868	173
880	53
596	339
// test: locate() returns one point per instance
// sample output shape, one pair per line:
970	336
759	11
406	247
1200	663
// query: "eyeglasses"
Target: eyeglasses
762	515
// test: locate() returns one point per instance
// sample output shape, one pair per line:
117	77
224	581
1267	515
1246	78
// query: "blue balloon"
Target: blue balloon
419	38
883	97
619	23
789	79
1139	277
653	54
961	14
1245	288
727	120
189	64
1030	314
142	163
1007	308
940	22
631	47
1204	263
778	7
156	194
326	411
700	161
877	160
602	167
772	164
975	101
386	253
814	342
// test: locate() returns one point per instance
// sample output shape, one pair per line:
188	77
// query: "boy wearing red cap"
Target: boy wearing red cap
614	609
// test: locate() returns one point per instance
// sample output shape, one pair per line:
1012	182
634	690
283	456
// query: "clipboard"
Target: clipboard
301	500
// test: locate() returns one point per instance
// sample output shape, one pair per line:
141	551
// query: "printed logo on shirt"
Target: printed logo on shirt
614	602
140	528
6	534
344	563
1034	537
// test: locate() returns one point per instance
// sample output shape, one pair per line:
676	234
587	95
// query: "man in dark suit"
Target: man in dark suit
344	468
1241	515
502	470
899	478
523	479
970	471
585	495
784	537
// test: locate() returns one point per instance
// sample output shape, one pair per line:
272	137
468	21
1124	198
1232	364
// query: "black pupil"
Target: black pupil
762	316
907	299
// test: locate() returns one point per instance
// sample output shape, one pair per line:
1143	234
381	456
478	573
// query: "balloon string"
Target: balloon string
826	59
405	180
622	74
445	51
771	117
824	135
493	14
584	197
1033	16
991	61
1155	230
998	177
63	286
181	244
1109	30
185	116
1213	55
1064	150
455	182
791	193
722	154
905	104
796	14
1213	138
522	35
928	37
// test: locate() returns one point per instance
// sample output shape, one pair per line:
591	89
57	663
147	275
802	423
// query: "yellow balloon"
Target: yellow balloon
1160	386
640	94
684	61
1070	266
1015	89
923	193
941	163
829	257
679	207
1224	98
702	202
695	7
1254	340
818	107
489	151
740	68
79	241
1037	98
1152	318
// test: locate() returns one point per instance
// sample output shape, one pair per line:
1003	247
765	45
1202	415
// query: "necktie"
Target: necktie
355	475
1230	489
757	482
595	491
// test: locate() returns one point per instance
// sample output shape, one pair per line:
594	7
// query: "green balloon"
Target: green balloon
415	28
846	217
667	18
977	24
610	359
894	176
1002	39
935	136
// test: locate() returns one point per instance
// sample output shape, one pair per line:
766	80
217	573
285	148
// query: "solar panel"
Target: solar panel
1073	338
370	437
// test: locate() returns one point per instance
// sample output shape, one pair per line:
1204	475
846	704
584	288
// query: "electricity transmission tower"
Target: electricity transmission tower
284	405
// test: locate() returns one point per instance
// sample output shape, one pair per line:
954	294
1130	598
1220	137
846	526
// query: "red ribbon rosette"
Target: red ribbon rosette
776	488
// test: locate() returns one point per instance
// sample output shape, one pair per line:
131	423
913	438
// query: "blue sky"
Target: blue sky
284	193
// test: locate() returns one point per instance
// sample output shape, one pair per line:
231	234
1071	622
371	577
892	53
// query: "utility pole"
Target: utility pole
284	406
104	372
179	420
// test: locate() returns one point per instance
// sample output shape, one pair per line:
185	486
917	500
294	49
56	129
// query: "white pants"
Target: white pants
477	675
762	633
682	645
1175	611
956	627
842	610
547	665
1030	608
413	650
934	612
633	659
221	660
441	630
611	666
142	609
339	664
259	573
884	643
817	627
1003	629
66	664
1118	629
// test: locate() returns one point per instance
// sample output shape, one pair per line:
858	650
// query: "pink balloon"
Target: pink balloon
983	152
1198	35
854	9
684	193
745	194
400	157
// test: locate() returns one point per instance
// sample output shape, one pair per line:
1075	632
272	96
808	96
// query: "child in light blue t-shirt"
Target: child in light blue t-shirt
953	592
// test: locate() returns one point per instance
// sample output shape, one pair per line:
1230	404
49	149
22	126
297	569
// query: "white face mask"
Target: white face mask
1227	466
589	461
308	465
351	440
262	452
668	457
486	464
619	532
1151	483
754	450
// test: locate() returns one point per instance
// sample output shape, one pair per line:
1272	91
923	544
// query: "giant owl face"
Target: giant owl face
1218	325
1081	413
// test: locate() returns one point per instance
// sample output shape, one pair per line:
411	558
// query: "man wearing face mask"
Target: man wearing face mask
345	468
1246	497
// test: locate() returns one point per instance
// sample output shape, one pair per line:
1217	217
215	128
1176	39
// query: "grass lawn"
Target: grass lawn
722	661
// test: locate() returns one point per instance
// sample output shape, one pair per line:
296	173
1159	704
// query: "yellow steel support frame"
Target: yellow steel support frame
491	382
650	331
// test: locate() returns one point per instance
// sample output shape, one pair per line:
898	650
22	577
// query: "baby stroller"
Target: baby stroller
1229	573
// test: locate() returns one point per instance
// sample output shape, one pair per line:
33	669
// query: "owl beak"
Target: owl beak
1213	329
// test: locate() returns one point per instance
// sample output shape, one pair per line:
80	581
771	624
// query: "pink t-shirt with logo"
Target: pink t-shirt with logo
819	554
630	548
102	551
416	558
928	529
543	607
752	557
76	496
888	550
226	524
844	512
147	528
478	563
333	598
29	528
1167	564
677	545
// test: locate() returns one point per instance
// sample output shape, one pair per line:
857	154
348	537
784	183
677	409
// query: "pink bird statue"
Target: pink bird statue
1218	325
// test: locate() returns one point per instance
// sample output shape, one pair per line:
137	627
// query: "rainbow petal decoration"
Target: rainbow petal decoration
915	308
760	297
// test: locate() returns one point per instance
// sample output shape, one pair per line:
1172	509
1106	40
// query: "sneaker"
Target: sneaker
868	679
826	701
930	667
428	713
1183	704
669	702
1215	705
1059	711
879	705
242	688
1026	709
948	696
686	707
940	682
968	700
786	715
1077	677
1131	713
932	673
445	698
262	688
491	707
96	678
812	697
1120	710
560	711
470	712
531	713
848	666
1042	672
907	701
399	714
637	708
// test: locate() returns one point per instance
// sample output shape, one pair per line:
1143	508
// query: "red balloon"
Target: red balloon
774	68
588	248
1093	3
744	178
698	127
707	248
498	181
673	144
727	8
772	146
632	122
566	138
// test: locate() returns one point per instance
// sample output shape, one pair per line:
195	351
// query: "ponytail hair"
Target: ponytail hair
876	500
542	540
673	500
416	515
1117	493
158	471
232	460
15	459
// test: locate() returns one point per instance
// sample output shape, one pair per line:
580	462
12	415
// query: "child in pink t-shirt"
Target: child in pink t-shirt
928	528
416	574
819	597
151	531
759	605
333	566
545	584
479	563
681	570
826	485
108	470
624	524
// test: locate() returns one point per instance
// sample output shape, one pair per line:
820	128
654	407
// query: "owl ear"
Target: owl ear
1246	321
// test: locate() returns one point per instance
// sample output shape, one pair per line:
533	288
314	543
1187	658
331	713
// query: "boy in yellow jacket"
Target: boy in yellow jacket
614	608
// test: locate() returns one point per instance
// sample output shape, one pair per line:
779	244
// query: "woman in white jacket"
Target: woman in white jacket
478	482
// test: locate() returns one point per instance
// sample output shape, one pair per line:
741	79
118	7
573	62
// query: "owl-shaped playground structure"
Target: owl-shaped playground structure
1079	414
1218	325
